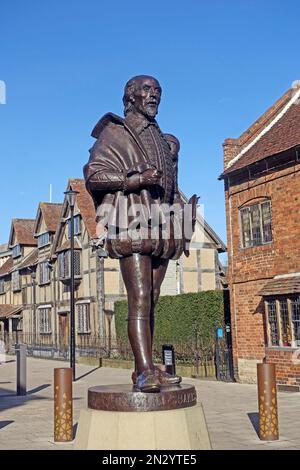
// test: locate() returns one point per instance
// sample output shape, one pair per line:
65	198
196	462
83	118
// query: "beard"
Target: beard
150	110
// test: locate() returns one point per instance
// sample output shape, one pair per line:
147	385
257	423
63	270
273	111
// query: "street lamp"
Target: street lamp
71	198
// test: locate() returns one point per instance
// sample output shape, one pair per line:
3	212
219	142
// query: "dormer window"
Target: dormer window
43	239
16	251
77	226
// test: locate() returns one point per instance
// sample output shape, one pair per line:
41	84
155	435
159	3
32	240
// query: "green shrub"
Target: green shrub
188	319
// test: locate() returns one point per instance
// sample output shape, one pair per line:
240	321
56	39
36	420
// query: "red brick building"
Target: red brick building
262	190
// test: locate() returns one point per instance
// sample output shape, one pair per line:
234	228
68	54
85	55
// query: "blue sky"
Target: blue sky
221	63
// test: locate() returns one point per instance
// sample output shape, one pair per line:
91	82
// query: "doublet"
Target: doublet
159	153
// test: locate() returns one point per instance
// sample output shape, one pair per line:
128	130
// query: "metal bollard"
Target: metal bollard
267	402
63	405
21	369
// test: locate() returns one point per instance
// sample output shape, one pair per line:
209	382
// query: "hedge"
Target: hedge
182	318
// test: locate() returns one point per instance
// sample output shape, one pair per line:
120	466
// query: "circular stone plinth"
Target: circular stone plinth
125	398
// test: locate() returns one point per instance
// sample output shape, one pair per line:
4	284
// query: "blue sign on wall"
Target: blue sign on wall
219	332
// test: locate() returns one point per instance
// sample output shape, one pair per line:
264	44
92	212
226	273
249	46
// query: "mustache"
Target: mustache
152	101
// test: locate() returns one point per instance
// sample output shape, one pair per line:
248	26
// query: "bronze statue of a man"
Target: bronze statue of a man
132	177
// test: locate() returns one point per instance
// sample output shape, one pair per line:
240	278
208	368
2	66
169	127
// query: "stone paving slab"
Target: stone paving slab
230	408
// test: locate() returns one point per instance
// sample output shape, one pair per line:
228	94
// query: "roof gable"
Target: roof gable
85	205
22	232
276	131
50	213
86	208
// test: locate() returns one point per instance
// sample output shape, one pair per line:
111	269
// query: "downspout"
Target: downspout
231	263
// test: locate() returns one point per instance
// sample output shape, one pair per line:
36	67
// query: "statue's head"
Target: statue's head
142	95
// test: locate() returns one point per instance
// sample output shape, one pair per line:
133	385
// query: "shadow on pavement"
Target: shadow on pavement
38	389
87	373
254	419
9	399
5	423
75	426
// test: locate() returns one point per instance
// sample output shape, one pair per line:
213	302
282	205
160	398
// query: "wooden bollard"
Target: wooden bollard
267	402
63	405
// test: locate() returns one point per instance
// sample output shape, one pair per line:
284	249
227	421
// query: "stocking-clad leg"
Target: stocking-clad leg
137	275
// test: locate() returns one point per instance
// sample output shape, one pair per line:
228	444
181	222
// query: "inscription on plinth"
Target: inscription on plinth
125	398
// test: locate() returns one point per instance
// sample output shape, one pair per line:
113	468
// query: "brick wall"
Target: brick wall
250	268
286	371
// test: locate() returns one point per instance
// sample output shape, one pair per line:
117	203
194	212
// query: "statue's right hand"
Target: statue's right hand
150	177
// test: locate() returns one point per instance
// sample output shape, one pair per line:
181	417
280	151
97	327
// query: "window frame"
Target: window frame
249	208
46	321
66	257
268	322
296	341
40	237
14	287
77	226
2	286
44	268
16	251
83	324
293	341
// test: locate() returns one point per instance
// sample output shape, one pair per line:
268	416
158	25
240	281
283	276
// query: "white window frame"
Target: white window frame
248	209
45	327
83	318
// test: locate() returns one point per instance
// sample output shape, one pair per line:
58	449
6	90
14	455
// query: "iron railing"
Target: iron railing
192	352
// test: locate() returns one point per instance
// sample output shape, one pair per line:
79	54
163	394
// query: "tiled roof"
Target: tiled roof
86	206
276	135
51	213
9	310
6	267
281	285
23	229
30	260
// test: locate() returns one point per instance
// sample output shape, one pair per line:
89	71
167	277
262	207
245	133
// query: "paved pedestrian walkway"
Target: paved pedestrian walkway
230	409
